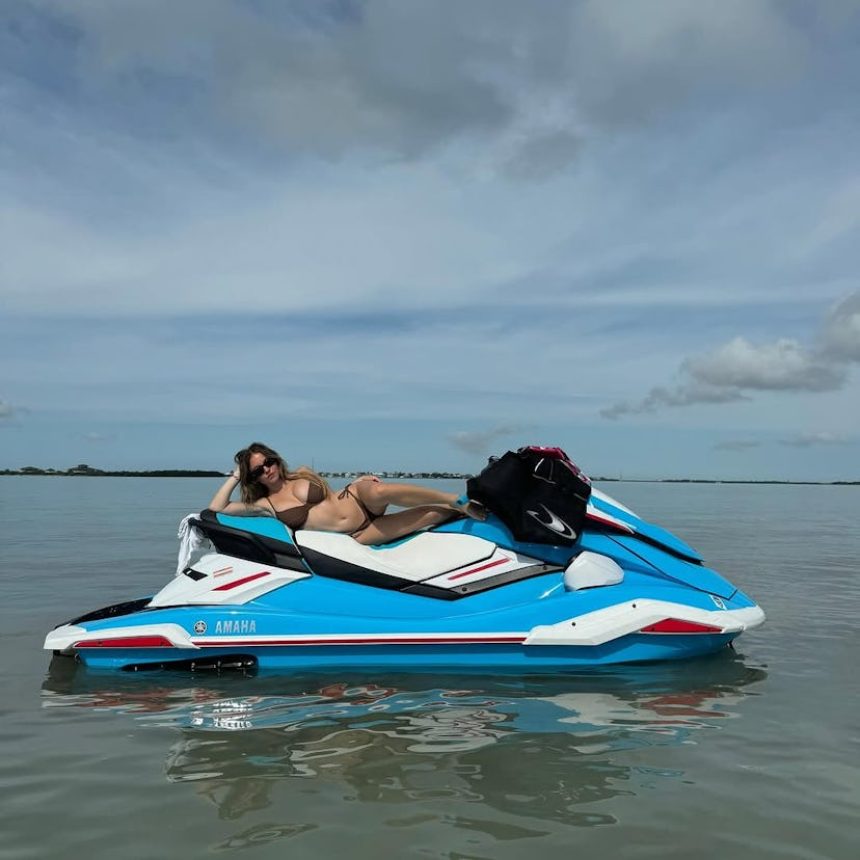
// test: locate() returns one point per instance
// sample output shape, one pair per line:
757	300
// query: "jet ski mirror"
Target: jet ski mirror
591	570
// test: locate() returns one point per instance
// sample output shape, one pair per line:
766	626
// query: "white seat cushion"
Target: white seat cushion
426	555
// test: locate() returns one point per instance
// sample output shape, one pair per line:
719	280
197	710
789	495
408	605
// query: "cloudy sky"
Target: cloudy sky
408	234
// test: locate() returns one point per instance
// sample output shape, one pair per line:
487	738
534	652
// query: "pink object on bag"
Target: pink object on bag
547	451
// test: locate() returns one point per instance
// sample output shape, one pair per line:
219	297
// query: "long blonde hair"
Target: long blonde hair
253	490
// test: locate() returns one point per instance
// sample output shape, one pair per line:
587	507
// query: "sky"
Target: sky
408	235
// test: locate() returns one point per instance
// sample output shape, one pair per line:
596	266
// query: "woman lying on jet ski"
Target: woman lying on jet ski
302	499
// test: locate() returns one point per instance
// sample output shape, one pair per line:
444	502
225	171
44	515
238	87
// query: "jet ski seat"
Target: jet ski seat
416	557
446	565
420	557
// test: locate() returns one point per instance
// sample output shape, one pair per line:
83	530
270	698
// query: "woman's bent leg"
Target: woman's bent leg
392	526
377	495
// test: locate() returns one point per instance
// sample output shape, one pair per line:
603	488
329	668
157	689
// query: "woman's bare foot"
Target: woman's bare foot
471	509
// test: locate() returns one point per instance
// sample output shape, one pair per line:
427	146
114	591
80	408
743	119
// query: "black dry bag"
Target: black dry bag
537	492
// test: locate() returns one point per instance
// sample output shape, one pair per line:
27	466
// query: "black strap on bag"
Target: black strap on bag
537	492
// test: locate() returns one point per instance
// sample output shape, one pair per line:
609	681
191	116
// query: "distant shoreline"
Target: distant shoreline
84	471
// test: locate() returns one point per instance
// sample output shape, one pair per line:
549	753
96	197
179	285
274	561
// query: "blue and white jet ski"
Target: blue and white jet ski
464	595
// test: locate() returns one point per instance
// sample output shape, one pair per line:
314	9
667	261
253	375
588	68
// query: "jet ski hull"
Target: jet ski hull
471	658
465	597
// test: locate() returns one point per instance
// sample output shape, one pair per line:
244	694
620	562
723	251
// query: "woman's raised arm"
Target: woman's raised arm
221	500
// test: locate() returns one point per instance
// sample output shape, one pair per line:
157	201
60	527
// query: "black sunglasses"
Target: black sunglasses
256	474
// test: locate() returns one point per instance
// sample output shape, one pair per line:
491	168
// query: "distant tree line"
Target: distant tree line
84	470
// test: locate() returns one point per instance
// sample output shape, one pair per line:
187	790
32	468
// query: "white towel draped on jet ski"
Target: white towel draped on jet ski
191	539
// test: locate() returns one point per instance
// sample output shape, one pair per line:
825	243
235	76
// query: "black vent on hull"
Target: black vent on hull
114	611
244	663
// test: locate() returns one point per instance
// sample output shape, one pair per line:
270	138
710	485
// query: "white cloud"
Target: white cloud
326	166
98	438
731	371
7	411
638	65
783	365
404	79
840	334
479	441
808	440
687	394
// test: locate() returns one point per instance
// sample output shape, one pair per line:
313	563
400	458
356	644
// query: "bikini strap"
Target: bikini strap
369	516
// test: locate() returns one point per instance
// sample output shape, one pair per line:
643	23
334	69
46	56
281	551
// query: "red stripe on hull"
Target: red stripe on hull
126	642
236	583
406	640
676	625
616	524
476	569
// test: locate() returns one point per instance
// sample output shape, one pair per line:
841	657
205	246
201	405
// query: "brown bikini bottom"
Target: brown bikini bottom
369	516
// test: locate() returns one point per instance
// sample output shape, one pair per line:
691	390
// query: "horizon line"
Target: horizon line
86	471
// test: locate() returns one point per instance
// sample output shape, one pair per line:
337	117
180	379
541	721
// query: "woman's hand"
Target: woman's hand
367	478
221	499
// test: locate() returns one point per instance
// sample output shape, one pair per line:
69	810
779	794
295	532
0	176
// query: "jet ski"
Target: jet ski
465	596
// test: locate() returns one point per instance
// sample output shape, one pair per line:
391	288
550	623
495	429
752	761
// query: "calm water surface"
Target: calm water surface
751	754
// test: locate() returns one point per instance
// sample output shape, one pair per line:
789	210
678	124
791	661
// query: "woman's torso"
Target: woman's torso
322	511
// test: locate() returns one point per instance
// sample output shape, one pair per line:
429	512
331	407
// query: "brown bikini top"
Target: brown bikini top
296	516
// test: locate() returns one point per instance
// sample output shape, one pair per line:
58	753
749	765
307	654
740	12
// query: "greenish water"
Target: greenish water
746	754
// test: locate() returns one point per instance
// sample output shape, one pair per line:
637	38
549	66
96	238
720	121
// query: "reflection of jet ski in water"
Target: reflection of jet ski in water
683	695
609	588
236	738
